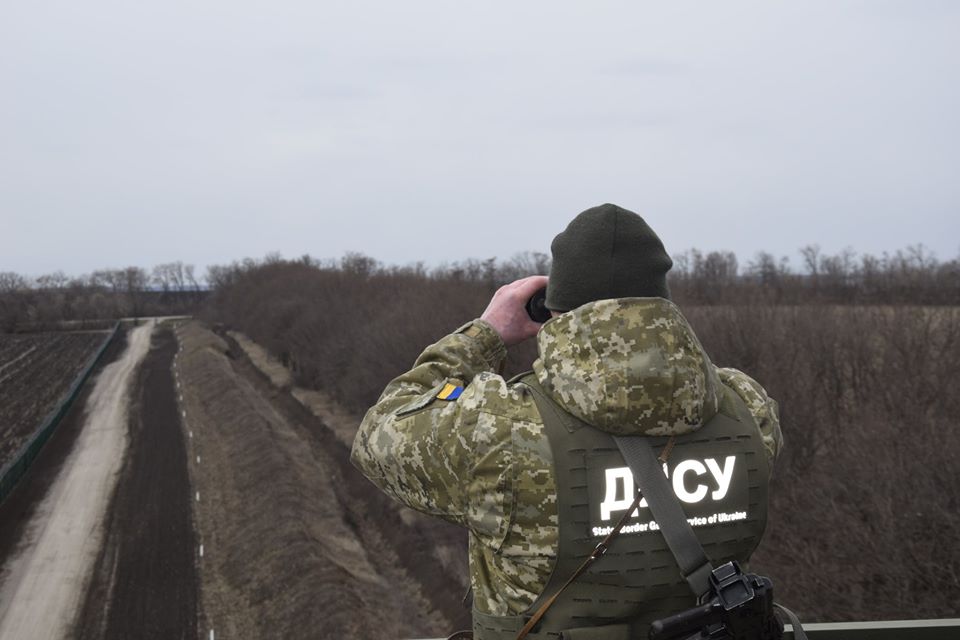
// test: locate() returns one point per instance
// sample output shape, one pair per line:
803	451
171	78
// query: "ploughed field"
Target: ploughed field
35	371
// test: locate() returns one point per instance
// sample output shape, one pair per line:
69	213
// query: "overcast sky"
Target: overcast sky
145	132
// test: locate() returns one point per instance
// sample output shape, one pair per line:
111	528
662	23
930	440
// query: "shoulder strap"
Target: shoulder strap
648	472
663	503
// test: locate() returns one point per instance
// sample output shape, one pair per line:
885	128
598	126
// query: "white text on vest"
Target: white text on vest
618	500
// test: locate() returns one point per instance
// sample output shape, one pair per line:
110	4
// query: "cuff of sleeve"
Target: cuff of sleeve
488	340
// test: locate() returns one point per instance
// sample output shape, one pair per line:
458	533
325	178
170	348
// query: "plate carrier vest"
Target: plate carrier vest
638	581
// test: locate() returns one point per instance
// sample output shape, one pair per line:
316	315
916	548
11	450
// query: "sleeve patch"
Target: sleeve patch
450	392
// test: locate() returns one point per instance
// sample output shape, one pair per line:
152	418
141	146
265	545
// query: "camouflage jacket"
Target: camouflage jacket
453	439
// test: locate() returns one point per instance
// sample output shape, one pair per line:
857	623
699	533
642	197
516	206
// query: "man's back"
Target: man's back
629	367
452	438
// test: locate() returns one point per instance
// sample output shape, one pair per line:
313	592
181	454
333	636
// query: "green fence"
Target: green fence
11	473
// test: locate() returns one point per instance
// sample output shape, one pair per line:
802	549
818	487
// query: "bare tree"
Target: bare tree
770	274
55	280
161	278
811	259
190	278
359	264
135	284
14	290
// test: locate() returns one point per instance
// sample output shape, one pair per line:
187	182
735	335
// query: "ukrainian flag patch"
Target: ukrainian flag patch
450	392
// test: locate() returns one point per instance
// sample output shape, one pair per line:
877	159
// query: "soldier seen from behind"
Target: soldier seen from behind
529	465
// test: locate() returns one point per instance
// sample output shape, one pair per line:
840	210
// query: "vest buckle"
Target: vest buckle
599	551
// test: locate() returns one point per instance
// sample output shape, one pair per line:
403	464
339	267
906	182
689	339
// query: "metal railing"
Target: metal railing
945	629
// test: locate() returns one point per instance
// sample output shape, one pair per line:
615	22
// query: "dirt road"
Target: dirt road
144	584
44	582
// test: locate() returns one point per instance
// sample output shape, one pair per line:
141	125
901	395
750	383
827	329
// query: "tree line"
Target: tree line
48	301
910	276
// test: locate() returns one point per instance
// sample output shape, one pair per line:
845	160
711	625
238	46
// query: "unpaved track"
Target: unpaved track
144	583
43	584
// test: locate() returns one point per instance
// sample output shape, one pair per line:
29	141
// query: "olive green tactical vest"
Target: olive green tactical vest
720	474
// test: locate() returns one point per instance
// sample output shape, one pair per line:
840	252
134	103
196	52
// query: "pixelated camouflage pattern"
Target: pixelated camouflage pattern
482	461
628	367
763	408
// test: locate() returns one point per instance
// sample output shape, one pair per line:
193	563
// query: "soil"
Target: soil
19	507
144	584
44	581
35	371
297	543
431	551
435	542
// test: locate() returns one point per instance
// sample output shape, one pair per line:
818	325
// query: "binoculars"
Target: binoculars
537	306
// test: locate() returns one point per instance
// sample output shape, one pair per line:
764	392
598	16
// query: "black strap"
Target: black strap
648	473
663	503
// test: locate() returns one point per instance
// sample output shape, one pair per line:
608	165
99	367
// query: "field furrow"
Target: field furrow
35	372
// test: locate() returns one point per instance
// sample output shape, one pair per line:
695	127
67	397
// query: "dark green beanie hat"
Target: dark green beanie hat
606	252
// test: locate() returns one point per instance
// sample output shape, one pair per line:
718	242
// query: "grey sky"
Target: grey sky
145	132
